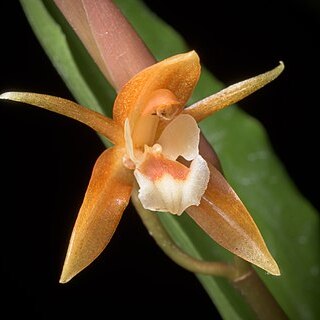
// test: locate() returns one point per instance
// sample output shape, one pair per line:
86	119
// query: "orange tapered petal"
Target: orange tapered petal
231	94
222	215
106	198
178	74
95	120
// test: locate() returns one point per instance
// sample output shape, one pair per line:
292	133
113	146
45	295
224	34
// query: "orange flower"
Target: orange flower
156	150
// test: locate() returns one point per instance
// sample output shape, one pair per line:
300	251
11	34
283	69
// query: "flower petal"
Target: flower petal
222	215
95	120
180	138
179	74
106	198
167	185
232	94
109	38
163	103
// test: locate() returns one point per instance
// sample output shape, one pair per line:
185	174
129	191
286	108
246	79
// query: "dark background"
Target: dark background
46	159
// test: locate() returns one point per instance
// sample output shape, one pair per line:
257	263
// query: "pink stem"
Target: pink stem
109	38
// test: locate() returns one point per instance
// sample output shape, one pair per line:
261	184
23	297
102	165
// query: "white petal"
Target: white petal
167	193
128	140
180	138
197	182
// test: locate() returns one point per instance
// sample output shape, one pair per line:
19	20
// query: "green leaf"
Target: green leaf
247	158
69	57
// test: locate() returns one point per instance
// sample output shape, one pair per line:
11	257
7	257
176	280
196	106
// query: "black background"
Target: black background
46	159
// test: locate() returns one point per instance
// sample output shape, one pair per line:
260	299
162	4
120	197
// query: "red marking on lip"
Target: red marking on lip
155	166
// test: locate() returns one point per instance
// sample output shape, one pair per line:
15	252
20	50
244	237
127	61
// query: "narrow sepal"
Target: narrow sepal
232	94
223	216
106	198
95	120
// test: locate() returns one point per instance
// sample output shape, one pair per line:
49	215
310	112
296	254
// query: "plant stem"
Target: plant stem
165	242
240	274
256	294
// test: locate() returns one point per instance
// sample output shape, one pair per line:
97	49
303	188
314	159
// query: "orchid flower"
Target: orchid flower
156	150
156	153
